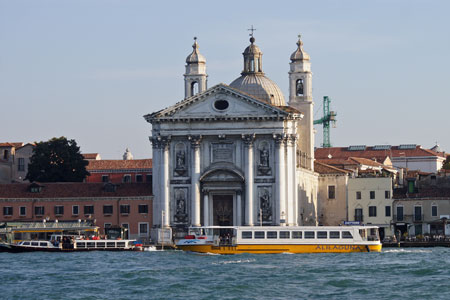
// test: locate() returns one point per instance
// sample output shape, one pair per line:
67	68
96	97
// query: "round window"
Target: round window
221	104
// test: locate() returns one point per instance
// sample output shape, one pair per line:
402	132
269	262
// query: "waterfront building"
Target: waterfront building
407	156
422	206
236	154
127	205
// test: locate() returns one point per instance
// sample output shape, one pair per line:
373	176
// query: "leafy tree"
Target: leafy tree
446	165
57	160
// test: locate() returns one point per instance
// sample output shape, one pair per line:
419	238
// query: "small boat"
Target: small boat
280	239
77	245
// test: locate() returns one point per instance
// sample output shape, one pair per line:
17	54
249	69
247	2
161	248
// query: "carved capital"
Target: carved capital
291	139
248	139
279	138
195	140
159	142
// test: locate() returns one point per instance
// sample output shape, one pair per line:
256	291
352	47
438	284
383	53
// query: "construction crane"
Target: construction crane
328	117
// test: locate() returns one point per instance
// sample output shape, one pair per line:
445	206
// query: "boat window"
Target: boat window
34	244
309	234
334	234
101	245
43	244
90	244
26	243
247	234
285	234
121	244
110	244
296	234
272	234
259	234
347	235
81	245
322	234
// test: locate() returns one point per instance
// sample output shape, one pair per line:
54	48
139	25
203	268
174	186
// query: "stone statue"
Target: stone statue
180	204
264	157
180	160
265	206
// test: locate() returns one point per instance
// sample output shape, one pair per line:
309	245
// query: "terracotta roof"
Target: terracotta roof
74	190
379	155
7	144
322	168
366	161
432	192
119	164
337	162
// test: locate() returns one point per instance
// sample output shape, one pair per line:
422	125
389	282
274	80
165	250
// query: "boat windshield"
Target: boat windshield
369	234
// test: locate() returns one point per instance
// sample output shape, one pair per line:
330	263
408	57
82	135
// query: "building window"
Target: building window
358	214
39	210
105	178
75	210
399	213
143	229
331	192
89	209
143	208
124	209
7	211
358	195
5	154
418	229
387	211
372	211
372	194
387	194
59	210
127	178
434	211
23	211
418	213
107	209
106	225
148	178
139	178
21	164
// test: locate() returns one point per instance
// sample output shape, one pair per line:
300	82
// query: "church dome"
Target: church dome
260	87
254	82
195	56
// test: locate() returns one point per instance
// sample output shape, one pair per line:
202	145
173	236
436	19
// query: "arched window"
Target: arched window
194	88
299	87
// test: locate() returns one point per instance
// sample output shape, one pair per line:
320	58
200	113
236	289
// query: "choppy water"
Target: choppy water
392	274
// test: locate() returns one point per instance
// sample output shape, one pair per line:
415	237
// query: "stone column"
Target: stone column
156	182
248	161
195	176
205	208
238	208
290	166
280	178
165	186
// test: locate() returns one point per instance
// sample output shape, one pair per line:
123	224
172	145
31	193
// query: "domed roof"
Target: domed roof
299	54
195	56
253	81
260	87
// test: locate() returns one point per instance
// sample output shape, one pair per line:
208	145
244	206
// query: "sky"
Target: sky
90	70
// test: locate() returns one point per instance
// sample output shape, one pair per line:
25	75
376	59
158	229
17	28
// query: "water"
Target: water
392	274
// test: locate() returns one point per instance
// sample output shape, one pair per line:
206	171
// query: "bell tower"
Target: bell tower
195	78
300	97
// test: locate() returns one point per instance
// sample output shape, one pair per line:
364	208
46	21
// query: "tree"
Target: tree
57	160
446	164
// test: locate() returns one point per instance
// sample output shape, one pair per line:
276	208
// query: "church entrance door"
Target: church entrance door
223	210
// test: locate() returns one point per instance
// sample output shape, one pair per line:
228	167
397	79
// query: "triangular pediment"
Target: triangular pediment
223	103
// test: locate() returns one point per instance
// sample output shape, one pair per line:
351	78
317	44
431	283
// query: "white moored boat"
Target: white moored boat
278	239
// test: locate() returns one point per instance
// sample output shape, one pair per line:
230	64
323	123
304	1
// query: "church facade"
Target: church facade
236	154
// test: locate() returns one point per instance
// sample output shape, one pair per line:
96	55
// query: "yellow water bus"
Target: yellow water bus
279	239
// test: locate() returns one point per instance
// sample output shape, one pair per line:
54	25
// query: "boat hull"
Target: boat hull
272	249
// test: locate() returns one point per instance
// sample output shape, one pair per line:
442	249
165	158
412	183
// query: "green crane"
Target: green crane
328	117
